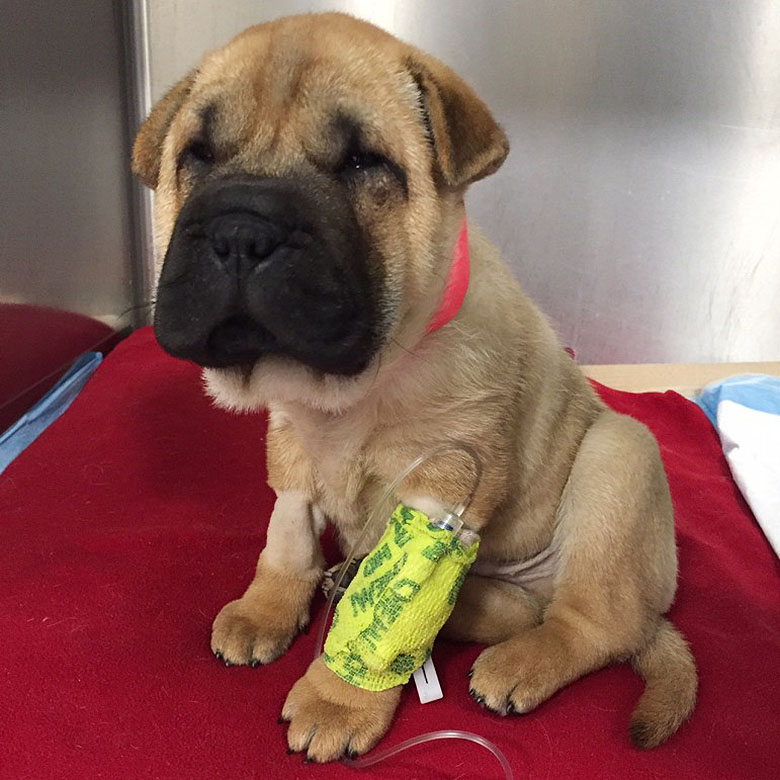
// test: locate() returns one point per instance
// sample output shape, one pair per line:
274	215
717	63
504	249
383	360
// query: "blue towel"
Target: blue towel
30	425
745	411
756	391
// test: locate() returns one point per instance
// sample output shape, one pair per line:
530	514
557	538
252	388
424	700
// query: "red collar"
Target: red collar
457	283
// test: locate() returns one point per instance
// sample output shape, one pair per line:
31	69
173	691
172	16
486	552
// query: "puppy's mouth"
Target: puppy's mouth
237	341
259	267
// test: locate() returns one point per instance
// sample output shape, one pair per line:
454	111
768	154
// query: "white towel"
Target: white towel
746	412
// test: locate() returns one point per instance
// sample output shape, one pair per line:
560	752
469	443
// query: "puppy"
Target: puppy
309	181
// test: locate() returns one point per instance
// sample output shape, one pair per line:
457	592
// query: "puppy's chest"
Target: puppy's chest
347	477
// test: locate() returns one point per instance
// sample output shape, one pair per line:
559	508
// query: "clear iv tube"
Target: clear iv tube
364	763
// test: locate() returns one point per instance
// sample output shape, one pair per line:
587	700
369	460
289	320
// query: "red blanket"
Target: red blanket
141	511
37	344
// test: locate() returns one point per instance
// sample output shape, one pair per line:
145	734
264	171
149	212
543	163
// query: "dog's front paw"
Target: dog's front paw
261	625
516	676
330	718
244	633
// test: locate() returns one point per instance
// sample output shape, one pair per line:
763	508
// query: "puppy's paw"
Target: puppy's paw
261	625
514	677
330	718
245	633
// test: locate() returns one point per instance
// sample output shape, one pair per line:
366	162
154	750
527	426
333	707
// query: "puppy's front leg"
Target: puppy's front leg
330	717
259	627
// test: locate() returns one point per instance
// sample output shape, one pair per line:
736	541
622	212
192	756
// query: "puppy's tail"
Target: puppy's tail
671	682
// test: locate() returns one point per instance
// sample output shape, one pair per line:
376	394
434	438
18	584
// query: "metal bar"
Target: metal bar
135	22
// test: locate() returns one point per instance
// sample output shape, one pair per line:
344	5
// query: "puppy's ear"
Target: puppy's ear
149	141
467	141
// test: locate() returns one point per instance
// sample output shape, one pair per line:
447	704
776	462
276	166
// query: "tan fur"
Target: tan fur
148	143
490	611
258	627
667	666
330	718
560	470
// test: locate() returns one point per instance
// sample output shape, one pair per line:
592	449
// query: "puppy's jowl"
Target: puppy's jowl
309	183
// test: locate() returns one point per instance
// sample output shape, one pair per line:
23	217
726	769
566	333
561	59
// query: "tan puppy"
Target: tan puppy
310	179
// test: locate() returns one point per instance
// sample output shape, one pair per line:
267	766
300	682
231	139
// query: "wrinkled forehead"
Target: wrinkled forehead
283	93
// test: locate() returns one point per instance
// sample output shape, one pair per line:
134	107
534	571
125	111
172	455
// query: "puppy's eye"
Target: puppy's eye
357	163
360	161
197	153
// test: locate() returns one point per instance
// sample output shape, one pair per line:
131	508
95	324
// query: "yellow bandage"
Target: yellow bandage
404	591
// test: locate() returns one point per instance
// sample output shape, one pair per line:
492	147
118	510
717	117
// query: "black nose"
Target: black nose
261	266
242	240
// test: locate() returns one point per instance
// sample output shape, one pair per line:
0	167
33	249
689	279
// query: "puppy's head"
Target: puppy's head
309	180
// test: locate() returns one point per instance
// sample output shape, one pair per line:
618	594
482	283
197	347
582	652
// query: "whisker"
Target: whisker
401	346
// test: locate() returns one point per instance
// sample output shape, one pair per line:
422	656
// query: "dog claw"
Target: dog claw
290	751
470	673
218	655
477	698
255	663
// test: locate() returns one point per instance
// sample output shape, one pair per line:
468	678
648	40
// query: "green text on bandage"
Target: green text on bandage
404	591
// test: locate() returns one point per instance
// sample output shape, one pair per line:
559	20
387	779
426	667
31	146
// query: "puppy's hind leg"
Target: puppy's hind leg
616	577
489	611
